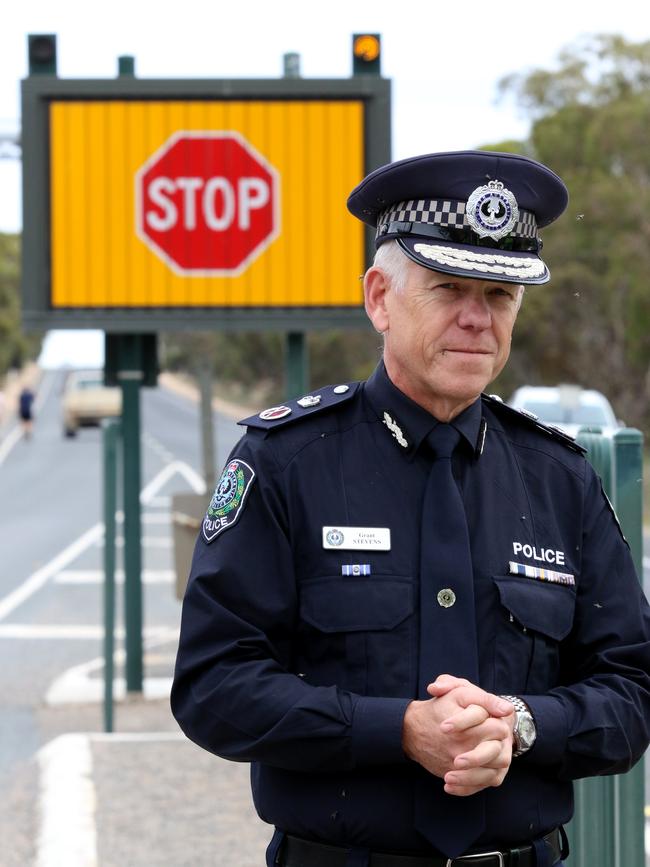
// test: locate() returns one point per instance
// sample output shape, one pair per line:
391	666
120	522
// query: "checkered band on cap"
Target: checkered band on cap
448	213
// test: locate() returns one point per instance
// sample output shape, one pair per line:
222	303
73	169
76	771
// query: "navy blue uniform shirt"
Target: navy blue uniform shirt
288	662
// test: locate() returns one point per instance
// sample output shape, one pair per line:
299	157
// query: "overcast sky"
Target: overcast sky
444	59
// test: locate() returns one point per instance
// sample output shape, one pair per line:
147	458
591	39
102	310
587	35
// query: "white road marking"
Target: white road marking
45	387
58	563
190	475
14	436
145	541
68	798
156	446
69	689
42	575
78	685
160	503
162	518
96	576
67	804
73	632
136	737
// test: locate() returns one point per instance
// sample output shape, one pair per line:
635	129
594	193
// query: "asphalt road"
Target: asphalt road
68	794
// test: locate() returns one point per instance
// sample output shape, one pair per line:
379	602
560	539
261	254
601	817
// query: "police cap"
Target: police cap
471	213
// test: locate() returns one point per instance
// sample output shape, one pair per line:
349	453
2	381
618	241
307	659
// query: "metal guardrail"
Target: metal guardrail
608	827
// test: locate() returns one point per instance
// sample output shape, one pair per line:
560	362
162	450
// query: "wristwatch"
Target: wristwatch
524	731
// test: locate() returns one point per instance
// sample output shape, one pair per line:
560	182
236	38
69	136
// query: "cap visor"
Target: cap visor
477	262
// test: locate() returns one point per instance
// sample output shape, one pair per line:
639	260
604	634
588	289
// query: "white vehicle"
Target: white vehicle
86	400
569	407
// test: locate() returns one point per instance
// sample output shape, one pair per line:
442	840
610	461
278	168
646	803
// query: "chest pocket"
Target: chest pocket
536	616
357	634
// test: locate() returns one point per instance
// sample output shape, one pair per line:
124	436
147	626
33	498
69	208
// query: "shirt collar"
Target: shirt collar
409	423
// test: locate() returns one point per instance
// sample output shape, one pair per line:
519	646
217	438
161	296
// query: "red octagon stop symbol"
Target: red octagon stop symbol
207	203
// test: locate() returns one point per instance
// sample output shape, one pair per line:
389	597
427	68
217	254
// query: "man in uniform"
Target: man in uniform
411	607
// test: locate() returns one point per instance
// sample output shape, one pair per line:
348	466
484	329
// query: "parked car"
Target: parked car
569	407
86	400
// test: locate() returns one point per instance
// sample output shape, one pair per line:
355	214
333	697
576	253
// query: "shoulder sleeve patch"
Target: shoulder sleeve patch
228	499
495	403
295	410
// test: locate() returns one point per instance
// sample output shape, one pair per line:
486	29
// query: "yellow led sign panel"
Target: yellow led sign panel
205	203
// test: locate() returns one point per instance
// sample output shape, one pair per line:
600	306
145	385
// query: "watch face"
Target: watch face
525	731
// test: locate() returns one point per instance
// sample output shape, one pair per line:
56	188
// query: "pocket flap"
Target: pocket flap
339	604
544	607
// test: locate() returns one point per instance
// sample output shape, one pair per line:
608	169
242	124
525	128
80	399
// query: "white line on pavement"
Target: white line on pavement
68	798
189	474
9	442
67	804
148	517
96	576
39	578
136	737
69	689
160	503
79	685
44	390
145	541
73	632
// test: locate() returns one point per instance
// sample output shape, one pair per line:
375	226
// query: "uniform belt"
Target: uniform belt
296	852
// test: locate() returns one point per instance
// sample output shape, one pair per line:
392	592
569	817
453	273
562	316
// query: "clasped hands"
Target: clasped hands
462	735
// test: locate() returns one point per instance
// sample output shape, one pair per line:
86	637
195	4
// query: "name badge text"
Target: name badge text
356	538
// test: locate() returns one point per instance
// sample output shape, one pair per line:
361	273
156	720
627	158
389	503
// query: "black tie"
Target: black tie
447	636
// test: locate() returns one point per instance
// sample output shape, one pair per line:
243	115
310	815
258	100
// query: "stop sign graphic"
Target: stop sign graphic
207	203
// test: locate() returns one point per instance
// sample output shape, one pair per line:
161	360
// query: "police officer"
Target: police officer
411	607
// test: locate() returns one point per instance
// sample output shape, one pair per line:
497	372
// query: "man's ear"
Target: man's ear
375	289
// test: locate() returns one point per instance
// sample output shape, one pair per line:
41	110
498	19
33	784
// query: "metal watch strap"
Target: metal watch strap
519	704
522	712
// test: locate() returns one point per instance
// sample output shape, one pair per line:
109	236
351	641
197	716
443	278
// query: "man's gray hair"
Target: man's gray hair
394	263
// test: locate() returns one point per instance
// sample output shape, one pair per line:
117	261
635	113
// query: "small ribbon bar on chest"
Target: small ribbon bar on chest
541	574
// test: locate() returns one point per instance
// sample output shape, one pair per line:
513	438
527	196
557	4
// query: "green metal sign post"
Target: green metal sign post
111	439
129	377
297	365
131	362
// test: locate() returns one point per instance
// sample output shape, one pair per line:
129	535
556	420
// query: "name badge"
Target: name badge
356	538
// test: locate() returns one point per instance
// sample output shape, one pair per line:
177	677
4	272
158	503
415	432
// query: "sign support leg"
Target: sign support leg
111	435
297	364
207	423
130	376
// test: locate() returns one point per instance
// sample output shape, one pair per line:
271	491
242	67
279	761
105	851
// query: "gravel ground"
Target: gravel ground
170	804
159	800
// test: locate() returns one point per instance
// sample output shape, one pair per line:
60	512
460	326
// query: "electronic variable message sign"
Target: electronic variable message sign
153	204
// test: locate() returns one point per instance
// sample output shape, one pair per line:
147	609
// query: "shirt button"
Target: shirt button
446	597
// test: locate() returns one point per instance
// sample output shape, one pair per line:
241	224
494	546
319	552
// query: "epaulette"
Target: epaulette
295	410
529	418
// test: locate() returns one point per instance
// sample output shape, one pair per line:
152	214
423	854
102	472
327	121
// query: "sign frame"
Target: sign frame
38	92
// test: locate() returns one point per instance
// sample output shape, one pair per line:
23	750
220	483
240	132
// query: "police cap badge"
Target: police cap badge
471	213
